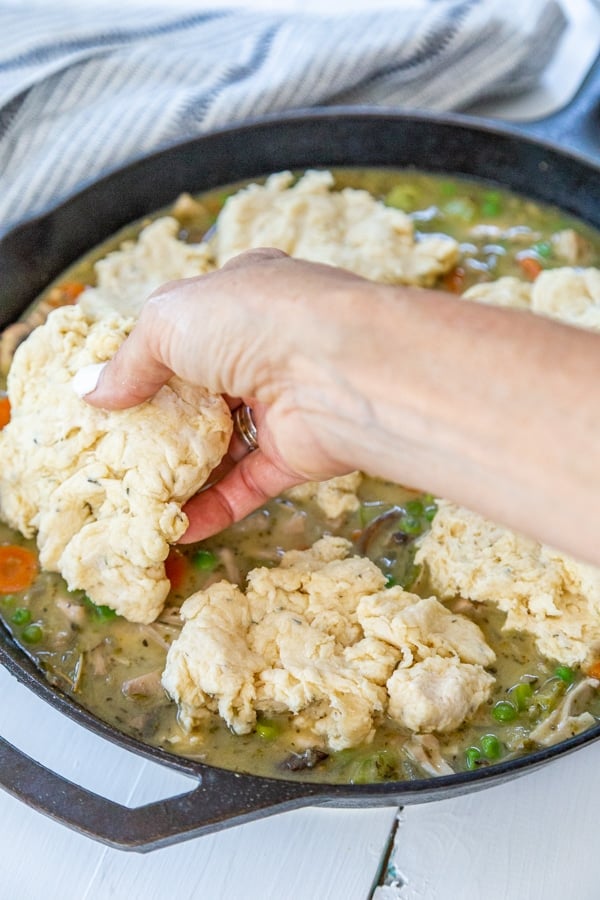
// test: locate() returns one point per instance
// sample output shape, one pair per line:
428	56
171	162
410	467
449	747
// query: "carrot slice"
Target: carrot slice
18	568
176	568
594	670
530	266
454	280
4	410
66	293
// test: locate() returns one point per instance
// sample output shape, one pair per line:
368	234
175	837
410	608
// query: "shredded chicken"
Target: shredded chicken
563	722
424	749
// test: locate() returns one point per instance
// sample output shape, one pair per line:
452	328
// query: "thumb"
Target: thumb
133	375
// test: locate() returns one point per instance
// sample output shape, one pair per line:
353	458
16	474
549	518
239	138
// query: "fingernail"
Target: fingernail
86	379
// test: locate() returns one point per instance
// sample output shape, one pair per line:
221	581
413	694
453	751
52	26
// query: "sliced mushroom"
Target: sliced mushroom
308	759
147	685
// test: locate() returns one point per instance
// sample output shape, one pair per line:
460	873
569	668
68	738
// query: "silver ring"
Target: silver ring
245	427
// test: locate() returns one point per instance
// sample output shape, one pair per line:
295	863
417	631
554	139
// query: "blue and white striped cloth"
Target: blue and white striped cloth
85	89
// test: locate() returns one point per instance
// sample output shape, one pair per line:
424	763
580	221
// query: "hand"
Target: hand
493	408
254	331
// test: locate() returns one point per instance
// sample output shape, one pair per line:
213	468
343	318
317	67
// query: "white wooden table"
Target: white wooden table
532	839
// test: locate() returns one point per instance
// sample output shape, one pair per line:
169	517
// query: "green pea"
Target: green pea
390	581
543	249
32	634
520	695
267	729
414	508
504	711
429	511
204	560
101	613
472	757
490	746
21	616
8	599
410	525
491	203
104	613
565	673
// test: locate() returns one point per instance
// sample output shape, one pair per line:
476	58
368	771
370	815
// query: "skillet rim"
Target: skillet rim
16	659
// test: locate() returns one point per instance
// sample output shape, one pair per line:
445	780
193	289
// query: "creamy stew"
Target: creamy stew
113	667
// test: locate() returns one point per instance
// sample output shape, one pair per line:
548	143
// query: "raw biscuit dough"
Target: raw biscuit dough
543	592
334	497
103	490
321	636
346	228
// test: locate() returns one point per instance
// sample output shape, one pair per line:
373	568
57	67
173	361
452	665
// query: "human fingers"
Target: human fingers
121	383
253	480
238	445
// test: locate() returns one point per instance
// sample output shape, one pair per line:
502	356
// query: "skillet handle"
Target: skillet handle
220	799
577	125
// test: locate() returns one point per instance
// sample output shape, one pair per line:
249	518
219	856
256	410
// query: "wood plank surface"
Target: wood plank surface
535	838
329	854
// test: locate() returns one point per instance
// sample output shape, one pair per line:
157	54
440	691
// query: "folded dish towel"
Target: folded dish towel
85	89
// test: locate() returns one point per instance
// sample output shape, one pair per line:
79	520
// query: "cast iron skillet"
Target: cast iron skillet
534	163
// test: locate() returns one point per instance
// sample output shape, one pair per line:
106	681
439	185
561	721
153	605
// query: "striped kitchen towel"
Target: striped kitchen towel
85	89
